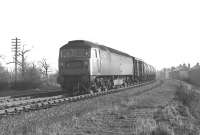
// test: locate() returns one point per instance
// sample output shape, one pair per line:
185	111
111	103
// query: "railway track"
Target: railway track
13	106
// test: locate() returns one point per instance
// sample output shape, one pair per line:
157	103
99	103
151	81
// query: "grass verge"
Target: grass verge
190	98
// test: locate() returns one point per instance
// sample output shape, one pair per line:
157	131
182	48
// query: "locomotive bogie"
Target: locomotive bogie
102	83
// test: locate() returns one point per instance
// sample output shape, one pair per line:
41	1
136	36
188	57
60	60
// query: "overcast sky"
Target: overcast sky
163	33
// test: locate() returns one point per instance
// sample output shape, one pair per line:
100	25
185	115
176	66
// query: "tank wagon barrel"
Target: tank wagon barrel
86	67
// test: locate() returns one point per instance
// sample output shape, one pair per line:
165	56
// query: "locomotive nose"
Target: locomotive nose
76	67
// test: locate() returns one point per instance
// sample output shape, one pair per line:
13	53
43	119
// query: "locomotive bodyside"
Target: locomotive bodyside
110	68
113	64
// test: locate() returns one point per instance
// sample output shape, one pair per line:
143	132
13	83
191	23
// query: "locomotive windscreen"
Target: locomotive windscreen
75	52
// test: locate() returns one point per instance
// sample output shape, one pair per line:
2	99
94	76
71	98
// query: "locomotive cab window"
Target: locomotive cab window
75	52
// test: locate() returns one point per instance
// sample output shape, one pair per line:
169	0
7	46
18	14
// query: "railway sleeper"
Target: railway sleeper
43	104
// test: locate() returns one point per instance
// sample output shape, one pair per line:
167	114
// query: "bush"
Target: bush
4	85
50	83
23	85
185	95
30	80
4	78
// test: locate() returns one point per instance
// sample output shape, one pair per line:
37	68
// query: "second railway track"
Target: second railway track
9	106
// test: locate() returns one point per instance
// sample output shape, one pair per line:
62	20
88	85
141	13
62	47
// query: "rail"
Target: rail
12	106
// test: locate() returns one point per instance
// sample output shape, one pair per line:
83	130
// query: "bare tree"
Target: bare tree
44	67
23	60
19	52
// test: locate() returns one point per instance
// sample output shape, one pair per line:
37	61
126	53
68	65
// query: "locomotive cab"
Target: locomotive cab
77	61
74	61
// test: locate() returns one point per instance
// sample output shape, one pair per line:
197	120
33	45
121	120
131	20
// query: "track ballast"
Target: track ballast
13	106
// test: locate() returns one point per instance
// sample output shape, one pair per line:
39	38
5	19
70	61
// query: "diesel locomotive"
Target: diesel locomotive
86	67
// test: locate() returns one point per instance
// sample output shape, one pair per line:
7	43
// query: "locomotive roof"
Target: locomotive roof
79	43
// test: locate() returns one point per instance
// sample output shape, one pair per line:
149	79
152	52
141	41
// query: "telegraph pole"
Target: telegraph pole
16	50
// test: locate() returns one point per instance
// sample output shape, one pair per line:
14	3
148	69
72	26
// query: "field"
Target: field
148	110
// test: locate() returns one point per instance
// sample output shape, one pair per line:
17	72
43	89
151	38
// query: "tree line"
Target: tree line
30	75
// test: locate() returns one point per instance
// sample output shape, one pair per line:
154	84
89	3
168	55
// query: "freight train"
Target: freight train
86	67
